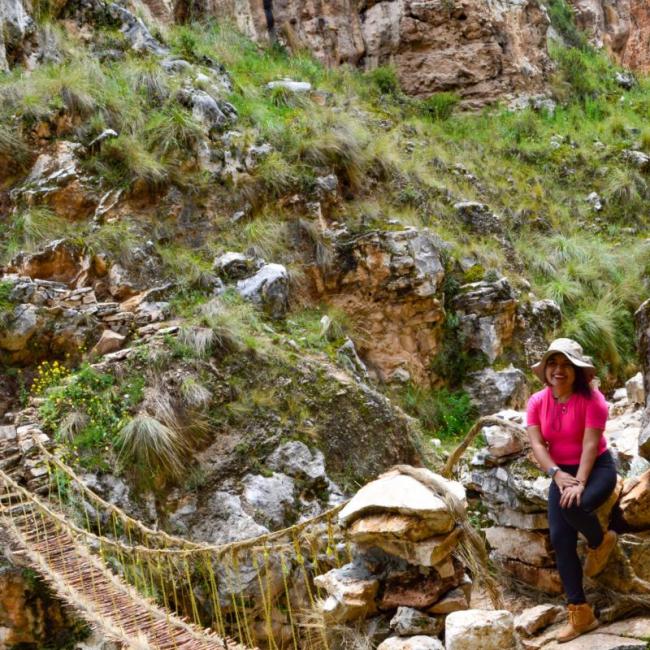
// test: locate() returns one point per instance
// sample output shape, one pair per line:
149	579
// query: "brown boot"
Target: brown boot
597	557
581	620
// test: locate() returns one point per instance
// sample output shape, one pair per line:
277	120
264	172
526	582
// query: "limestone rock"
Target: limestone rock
501	441
419	642
409	622
597	640
268	288
635	390
296	460
17	31
427	552
493	390
534	619
214	114
622	28
540	578
540	318
391	281
453	601
57	180
271	497
109	341
234	266
524	545
391	526
352	590
475	628
19	328
635	503
487	316
394	492
289	84
505	516
412	588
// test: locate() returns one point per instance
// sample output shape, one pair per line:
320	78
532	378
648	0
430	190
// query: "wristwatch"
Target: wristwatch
551	471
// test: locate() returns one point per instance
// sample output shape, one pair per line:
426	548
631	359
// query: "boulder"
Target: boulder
487	313
419	642
214	114
399	493
351	593
19	327
234	266
543	579
268	288
493	390
108	342
453	601
409	622
635	503
501	441
271	498
505	516
635	390
411	587
476	628
534	619
289	84
526	546
295	459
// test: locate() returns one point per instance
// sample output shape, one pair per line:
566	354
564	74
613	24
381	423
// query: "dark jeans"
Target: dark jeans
566	523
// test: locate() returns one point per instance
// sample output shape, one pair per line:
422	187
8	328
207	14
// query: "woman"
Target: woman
566	421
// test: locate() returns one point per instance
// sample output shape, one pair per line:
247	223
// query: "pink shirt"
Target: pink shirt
563	425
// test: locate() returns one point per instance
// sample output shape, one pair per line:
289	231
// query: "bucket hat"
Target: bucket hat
572	350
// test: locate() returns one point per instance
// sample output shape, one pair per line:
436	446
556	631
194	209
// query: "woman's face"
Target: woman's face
559	373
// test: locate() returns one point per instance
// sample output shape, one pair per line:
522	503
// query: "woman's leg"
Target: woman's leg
564	538
600	485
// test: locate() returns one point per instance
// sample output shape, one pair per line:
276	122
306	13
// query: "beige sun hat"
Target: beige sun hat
572	350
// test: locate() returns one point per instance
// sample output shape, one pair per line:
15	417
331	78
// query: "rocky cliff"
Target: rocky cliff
622	27
481	49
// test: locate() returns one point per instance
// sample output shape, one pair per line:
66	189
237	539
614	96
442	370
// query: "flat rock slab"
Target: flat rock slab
598	641
394	492
637	627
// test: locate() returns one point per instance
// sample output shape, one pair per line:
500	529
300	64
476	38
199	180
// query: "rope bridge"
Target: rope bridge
147	589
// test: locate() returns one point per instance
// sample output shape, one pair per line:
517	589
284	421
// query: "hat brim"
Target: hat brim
540	366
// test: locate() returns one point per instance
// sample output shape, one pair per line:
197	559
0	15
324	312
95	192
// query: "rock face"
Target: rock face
17	32
391	283
481	49
621	26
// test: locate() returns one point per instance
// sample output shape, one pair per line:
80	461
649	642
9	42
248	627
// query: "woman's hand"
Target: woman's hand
571	495
564	480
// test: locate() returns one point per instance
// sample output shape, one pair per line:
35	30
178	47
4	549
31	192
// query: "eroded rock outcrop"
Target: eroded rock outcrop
481	49
391	282
622	27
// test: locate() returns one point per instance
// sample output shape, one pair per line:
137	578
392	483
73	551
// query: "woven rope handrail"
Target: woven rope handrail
217	549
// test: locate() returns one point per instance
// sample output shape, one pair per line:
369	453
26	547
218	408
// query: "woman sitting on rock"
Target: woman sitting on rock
566	421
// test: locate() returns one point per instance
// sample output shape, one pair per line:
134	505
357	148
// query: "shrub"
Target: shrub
385	78
148	443
439	106
447	414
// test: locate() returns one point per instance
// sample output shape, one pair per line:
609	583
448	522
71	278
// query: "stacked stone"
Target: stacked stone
404	576
50	315
514	491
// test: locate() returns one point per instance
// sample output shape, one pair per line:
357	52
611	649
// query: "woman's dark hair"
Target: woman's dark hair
581	384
